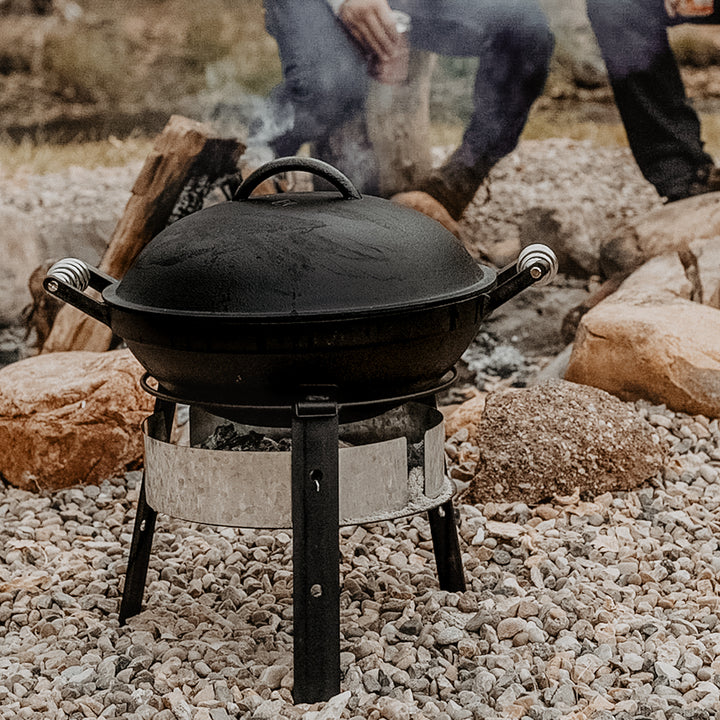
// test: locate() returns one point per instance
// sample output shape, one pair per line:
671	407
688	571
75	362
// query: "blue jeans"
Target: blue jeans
325	76
662	127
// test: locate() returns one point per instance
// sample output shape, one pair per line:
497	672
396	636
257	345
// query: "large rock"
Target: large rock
665	229
566	229
666	272
70	418
21	253
558	437
652	345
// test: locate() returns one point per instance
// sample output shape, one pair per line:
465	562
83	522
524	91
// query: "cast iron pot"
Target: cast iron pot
244	301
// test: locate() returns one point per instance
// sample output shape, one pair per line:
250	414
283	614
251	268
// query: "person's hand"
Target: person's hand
371	23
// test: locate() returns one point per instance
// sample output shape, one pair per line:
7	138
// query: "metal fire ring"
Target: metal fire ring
253	489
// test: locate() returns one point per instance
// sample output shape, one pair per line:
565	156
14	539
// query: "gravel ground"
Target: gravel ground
574	610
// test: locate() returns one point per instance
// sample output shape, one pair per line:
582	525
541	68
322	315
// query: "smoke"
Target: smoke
255	120
271	121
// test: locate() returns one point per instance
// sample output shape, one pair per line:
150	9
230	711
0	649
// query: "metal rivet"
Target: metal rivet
316	591
52	285
536	272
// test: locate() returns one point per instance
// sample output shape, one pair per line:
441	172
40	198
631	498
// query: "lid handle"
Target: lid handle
305	164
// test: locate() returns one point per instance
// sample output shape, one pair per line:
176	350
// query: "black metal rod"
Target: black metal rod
446	547
143	531
139	558
511	285
316	549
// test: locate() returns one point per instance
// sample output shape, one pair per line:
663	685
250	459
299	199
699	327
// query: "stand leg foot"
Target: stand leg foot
139	558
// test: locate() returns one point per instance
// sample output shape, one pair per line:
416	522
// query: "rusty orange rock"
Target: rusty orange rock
70	418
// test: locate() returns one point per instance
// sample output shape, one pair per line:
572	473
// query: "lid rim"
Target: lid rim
485	286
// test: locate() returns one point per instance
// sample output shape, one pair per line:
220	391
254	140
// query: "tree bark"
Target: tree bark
185	149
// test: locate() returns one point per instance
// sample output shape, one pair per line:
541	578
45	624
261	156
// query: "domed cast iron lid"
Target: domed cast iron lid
300	255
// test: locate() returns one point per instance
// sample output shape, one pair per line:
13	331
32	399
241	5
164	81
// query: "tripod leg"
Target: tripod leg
143	532
139	558
446	547
316	550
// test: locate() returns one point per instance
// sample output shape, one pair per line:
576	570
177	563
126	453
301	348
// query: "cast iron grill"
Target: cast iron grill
304	311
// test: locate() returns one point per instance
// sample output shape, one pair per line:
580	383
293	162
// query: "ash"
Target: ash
226	437
489	358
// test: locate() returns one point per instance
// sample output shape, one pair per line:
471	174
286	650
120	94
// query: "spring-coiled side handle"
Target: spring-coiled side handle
541	261
71	271
68	279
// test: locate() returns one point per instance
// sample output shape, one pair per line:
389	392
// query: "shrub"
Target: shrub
87	66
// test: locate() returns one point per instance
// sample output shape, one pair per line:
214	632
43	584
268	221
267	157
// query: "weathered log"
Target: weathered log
42	311
571	321
386	149
184	150
398	122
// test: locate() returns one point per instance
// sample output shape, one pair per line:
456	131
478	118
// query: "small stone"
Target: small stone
393	709
177	703
667	670
449	636
272	676
633	662
509	627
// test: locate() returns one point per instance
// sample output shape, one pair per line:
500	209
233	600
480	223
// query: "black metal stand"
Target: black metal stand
143	532
446	544
316	544
316	549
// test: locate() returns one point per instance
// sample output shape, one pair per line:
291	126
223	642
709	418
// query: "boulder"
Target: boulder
666	272
71	418
567	230
652	345
664	229
21	251
558	438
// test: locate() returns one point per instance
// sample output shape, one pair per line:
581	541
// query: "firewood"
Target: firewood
185	149
385	150
398	121
689	261
40	315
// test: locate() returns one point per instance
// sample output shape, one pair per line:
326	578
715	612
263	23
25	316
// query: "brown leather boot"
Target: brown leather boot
428	205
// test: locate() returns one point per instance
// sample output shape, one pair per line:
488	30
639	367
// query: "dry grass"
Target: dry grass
543	125
41	158
159	51
696	46
711	134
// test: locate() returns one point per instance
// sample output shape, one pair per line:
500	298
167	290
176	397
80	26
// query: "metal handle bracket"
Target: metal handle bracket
69	278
